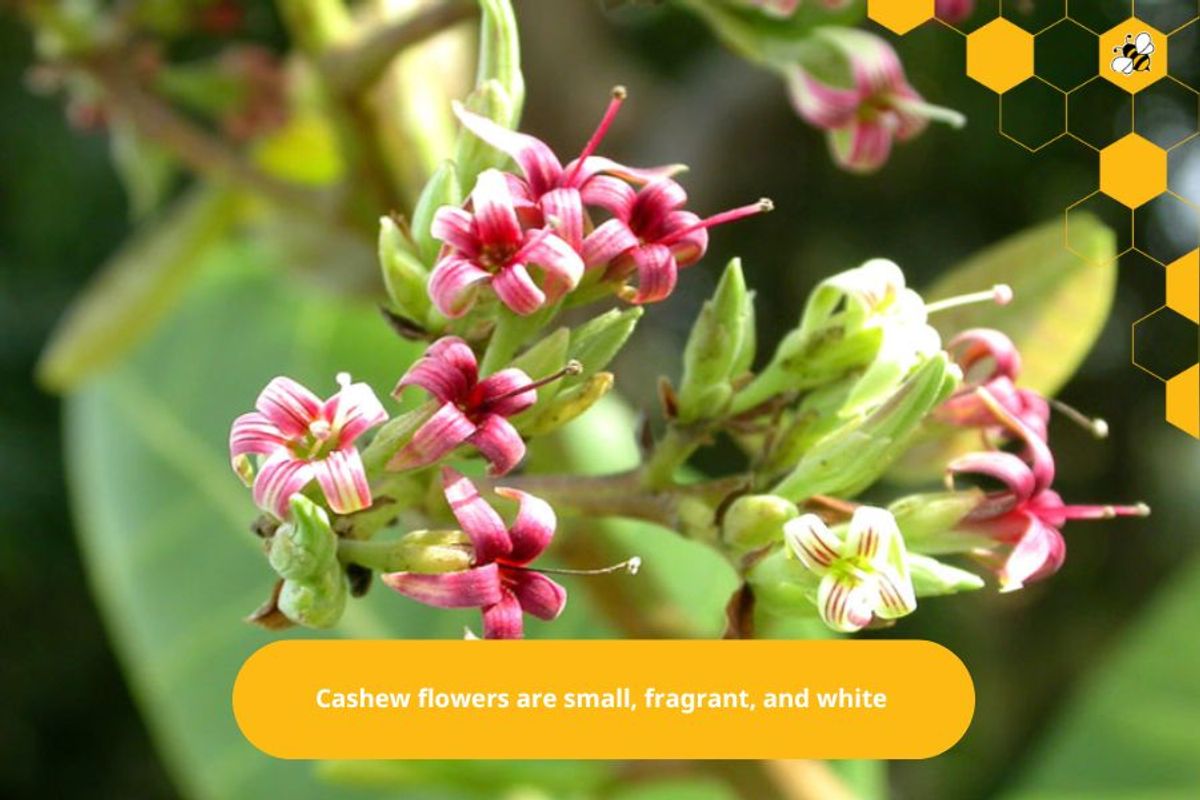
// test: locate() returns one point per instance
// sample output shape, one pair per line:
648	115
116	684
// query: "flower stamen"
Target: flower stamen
1001	294
761	207
618	98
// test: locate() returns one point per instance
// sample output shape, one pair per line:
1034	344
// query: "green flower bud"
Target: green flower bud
570	404
749	340
305	546
500	56
442	189
316	603
856	455
932	578
404	276
418	551
783	586
596	342
713	349
472	154
928	521
756	520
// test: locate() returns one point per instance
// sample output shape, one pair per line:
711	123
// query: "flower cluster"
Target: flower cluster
544	219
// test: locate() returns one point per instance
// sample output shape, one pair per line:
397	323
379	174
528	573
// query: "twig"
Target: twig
353	67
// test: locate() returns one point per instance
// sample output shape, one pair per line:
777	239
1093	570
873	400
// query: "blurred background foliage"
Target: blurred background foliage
1083	683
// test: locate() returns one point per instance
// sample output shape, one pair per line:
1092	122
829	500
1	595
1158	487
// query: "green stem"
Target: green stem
428	552
511	331
670	453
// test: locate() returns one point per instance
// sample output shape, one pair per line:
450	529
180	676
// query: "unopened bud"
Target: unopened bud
404	276
713	348
756	520
305	546
932	578
783	586
317	603
596	342
473	155
442	189
928	520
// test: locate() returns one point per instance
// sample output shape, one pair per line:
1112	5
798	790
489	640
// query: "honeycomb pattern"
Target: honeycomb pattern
900	16
1054	65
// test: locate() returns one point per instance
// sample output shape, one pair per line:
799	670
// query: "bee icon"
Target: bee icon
1134	54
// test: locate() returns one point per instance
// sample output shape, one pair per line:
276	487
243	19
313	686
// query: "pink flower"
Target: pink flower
954	11
1025	516
500	584
471	410
301	439
488	245
650	233
989	359
867	109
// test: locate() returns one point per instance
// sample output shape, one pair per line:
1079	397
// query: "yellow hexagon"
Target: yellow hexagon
900	16
1133	170
1133	55
1000	55
1183	286
1183	401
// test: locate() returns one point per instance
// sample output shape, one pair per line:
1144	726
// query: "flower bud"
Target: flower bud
472	155
442	189
784	586
856	455
596	342
756	520
404	276
928	520
570	404
305	546
316	603
713	348
932	578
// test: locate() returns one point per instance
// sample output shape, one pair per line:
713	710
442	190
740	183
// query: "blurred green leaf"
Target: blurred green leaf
136	288
146	169
1130	731
1061	299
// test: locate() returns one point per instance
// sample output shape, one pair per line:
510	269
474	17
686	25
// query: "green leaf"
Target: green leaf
136	288
1061	299
1130	732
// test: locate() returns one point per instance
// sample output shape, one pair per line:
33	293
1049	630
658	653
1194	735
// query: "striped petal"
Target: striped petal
689	247
533	529
456	227
535	158
562	211
598	165
988	347
611	194
448	371
500	444
821	105
810	539
504	393
1039	552
559	261
470	588
252	433
454	284
1004	467
516	289
656	271
437	438
897	596
478	520
504	620
281	476
495	215
609	240
343	479
655	201
537	594
863	146
845	603
352	411
872	534
290	406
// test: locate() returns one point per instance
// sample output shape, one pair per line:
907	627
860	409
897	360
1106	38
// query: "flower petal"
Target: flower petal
353	411
606	242
846	604
689	247
810	539
863	146
533	529
871	534
499	443
596	165
654	202
820	104
495	215
541	167
504	393
448	371
897	596
504	620
1039	552
982	345
562	211
559	261
1004	467
537	594
456	227
281	476
478	520
252	433
453	285
656	270
441	433
613	195
516	289
343	479
470	588
290	406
